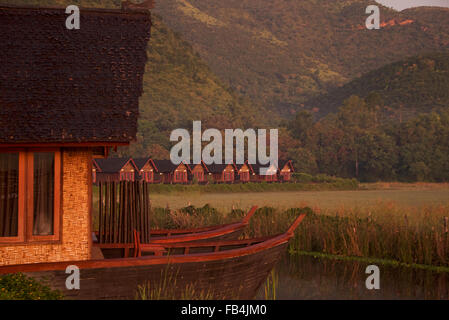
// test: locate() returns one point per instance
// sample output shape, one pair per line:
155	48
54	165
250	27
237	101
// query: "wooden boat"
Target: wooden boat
214	233
233	269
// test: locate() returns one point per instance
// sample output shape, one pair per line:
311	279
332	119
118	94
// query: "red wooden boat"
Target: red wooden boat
233	269
166	236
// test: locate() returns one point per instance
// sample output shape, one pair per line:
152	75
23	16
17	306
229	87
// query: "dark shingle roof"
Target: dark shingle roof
111	165
63	86
141	162
165	166
282	164
217	168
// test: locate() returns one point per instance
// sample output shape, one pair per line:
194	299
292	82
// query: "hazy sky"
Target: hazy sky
403	4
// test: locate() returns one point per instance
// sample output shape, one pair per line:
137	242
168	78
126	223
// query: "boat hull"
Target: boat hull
238	277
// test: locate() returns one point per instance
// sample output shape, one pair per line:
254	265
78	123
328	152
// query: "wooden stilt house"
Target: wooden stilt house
66	96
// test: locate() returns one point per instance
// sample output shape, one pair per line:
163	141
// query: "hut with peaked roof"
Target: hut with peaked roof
147	170
200	173
66	97
116	169
270	175
285	170
223	173
244	173
172	173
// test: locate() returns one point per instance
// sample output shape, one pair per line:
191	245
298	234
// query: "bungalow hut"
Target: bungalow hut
147	170
257	176
244	173
223	172
285	170
172	173
116	169
200	173
66	96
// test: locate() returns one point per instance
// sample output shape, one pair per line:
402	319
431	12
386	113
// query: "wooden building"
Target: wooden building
200	173
66	96
171	173
257	176
244	173
285	170
116	169
223	173
147	170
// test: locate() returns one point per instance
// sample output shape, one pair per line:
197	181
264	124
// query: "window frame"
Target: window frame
20	238
26	200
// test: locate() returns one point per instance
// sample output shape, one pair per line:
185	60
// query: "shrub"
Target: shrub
17	286
302	177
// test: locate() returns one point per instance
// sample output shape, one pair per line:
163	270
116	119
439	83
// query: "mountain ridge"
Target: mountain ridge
320	49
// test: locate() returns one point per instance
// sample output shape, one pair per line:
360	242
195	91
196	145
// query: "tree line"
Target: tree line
359	142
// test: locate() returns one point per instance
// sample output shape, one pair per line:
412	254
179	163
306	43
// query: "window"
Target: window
9	195
148	176
29	195
286	175
94	176
199	175
180	176
126	176
43	193
244	176
228	176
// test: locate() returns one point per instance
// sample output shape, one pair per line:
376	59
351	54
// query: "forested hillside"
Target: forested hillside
407	87
357	142
179	88
284	52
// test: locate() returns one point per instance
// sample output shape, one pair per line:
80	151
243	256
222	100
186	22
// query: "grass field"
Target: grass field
411	196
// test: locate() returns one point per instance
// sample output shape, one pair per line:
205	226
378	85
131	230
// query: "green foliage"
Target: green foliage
302	177
359	142
398	90
17	286
282	53
319	182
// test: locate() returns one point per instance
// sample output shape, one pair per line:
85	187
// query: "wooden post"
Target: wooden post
446	224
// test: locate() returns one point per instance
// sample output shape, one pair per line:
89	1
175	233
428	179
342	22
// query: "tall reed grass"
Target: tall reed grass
383	231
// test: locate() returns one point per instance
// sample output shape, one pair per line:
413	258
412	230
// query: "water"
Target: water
305	277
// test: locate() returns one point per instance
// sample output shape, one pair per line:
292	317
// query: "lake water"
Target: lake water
305	277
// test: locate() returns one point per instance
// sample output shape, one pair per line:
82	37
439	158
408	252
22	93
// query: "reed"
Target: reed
383	231
271	286
411	236
166	289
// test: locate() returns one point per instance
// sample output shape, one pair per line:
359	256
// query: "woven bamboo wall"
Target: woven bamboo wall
75	243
